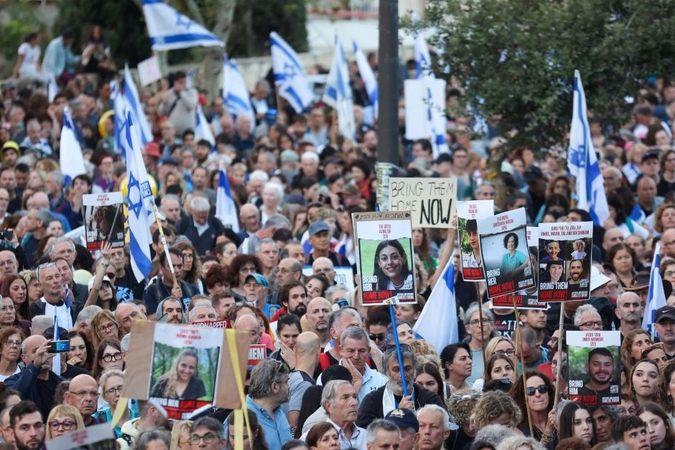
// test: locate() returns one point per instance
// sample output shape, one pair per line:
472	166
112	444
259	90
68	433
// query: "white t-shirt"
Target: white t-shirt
31	55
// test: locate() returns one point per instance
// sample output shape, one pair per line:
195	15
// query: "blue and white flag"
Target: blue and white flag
582	161
338	93
226	210
422	55
438	323
139	201
171	30
235	93
119	118
289	75
656	298
70	158
368	77
133	102
203	130
52	88
189	78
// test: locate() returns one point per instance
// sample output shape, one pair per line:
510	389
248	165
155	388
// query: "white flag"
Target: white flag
70	158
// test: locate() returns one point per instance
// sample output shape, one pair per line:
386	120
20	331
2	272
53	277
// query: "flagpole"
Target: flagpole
522	363
558	370
164	244
480	317
392	313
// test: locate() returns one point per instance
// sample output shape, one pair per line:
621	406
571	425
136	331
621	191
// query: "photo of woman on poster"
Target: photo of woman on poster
182	380
391	267
513	261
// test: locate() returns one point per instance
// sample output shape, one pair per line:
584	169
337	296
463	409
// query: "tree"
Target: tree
516	58
21	21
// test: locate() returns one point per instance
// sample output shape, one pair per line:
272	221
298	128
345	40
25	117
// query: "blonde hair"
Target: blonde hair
65	410
493	343
172	376
178	427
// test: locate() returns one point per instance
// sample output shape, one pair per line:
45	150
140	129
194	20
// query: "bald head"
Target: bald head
8	263
307	344
612	237
249	324
38	200
324	266
667	240
249	216
318	314
82	394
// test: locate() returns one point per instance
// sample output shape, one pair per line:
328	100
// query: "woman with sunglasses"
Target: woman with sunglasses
108	356
63	419
10	351
539	394
110	389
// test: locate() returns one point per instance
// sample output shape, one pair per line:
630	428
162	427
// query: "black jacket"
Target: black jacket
205	242
371	405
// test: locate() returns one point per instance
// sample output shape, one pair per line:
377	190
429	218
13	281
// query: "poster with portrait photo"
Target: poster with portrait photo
181	367
506	256
385	257
468	213
103	220
94	437
564	262
594	367
525	298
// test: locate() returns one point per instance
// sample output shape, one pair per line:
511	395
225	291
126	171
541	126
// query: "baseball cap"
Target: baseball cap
260	279
403	418
318	227
91	281
10	145
651	153
598	279
167	160
532	174
665	312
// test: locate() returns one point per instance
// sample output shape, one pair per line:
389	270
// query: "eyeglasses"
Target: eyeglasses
67	425
113	390
596	323
110	358
475	322
11	343
207	438
7	307
542	388
247	269
376	337
92	394
106	328
509	352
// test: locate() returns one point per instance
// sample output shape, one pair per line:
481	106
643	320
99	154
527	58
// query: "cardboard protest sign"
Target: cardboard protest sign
343	275
432	201
256	354
183	367
564	261
149	71
506	257
103	220
594	367
385	257
383	172
95	437
468	212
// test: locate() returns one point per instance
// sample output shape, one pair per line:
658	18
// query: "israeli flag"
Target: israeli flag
367	76
338	93
52	88
133	102
226	210
139	200
70	158
422	55
189	78
171	30
656	297
119	118
235	93
289	75
582	161
202	130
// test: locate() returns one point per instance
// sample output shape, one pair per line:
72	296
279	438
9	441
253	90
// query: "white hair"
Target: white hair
307	156
259	175
276	187
438	409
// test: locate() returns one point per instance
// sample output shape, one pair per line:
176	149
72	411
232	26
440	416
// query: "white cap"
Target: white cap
598	279
91	281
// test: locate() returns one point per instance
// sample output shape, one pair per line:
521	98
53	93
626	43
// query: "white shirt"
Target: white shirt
61	312
31	56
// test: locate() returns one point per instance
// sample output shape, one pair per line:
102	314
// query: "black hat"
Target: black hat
665	312
651	153
532	174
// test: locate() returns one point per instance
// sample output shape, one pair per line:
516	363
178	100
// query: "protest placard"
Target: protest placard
103	220
468	212
149	71
256	354
94	437
164	356
432	201
421	97
594	367
343	275
506	257
385	257
564	263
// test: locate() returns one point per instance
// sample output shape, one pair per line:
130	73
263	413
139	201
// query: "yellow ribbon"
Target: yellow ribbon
231	338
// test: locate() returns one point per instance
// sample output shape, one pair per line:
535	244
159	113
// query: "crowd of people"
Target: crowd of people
332	378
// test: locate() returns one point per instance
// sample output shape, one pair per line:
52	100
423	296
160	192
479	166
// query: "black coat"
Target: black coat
371	405
205	242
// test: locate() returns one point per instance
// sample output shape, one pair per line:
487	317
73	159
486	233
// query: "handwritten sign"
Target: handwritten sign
432	201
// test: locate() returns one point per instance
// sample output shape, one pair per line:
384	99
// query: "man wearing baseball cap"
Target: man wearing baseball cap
406	421
319	237
665	326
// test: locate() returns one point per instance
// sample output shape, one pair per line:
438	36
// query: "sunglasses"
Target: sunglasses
376	337
542	388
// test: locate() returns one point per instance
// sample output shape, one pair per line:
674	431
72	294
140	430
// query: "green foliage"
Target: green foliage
207	365
21	22
516	58
253	22
123	26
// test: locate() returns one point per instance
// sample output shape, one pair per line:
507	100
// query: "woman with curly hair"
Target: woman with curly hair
634	342
182	380
216	280
15	287
496	408
664	217
241	267
192	265
513	260
539	393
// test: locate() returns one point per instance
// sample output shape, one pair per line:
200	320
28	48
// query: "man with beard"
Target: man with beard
293	297
26	426
170	310
600	368
381	402
577	284
268	391
665	326
255	288
536	320
318	314
629	310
